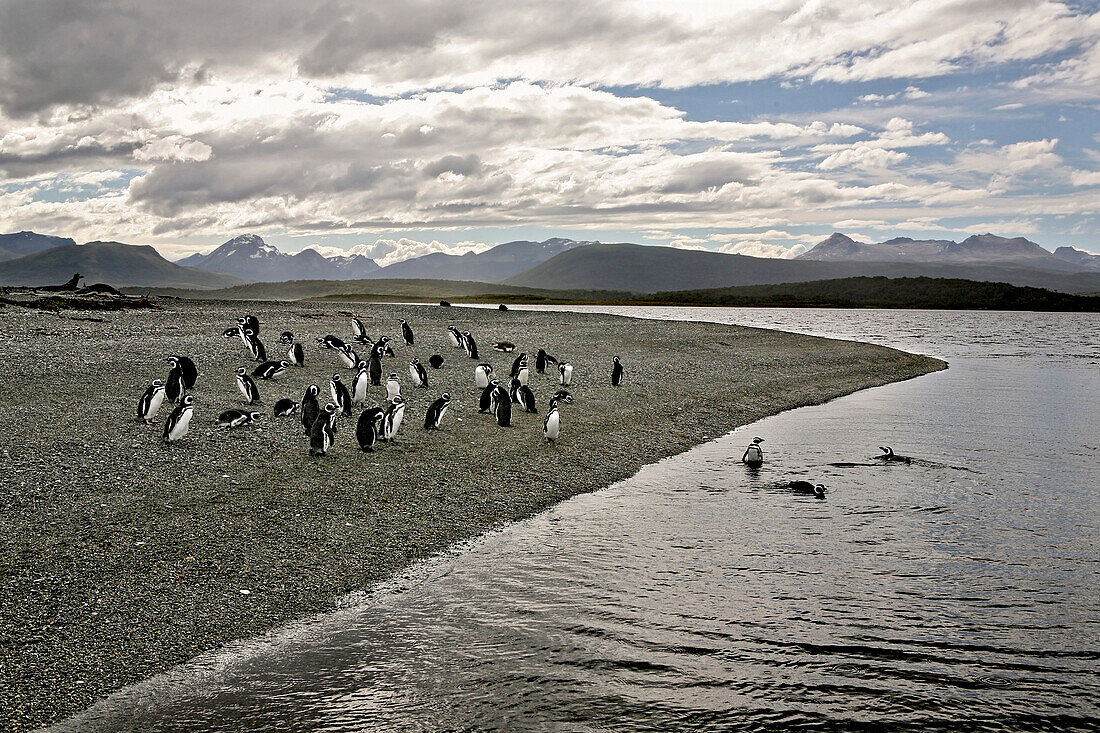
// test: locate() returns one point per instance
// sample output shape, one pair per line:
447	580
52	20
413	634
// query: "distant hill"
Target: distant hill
22	244
500	262
1078	257
979	249
110	262
649	269
883	292
250	258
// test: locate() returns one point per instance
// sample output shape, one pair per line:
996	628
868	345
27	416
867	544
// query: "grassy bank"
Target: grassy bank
122	557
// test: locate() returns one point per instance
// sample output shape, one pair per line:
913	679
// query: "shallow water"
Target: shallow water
963	588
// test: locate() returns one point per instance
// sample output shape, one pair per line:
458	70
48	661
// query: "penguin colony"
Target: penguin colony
376	423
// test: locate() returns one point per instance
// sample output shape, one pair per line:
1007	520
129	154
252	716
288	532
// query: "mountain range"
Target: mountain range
22	244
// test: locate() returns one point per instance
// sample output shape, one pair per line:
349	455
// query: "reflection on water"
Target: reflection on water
702	594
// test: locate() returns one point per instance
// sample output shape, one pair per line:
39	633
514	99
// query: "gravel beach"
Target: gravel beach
122	556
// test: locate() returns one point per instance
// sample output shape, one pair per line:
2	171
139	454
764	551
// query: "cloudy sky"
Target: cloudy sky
400	128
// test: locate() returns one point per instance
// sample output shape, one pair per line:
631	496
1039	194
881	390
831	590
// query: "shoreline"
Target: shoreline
125	557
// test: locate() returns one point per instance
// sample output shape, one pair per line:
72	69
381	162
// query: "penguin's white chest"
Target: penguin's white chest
243	387
567	376
553	425
415	375
481	377
393	388
523	376
180	428
154	403
359	387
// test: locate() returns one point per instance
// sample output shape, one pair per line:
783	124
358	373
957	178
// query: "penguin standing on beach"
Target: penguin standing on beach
522	358
383	346
150	402
250	322
295	354
187	367
616	372
436	412
179	421
359	384
174	386
368	428
391	419
551	426
247	387
255	346
469	344
502	406
483	373
286	407
523	374
374	370
393	386
455	336
542	359
311	408
418	373
485	404
358	330
527	399
340	395
348	356
322	435
565	372
406	332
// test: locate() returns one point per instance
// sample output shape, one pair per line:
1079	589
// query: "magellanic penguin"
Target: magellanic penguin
368	427
348	356
190	372
505	347
270	369
542	359
391	420
754	454
482	374
469	344
436	411
889	456
551	426
150	402
331	342
805	487
374	370
286	407
322	435
527	399
436	361
255	346
616	372
174	386
485	404
563	396
232	333
311	408
179	421
418	373
406	332
455	336
247	387
359	384
340	394
502	406
565	371
295	354
516	363
513	391
236	418
393	386
382	346
250	322
524	374
358	330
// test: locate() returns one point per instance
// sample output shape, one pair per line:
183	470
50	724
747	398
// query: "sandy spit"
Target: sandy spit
121	557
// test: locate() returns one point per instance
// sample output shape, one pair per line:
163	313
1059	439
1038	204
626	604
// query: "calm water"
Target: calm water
961	590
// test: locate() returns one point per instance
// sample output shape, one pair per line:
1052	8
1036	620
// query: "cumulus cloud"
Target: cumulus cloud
389	251
757	248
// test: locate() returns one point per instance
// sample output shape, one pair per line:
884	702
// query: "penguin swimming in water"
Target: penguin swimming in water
483	373
551	426
565	371
436	361
247	387
805	487
393	386
418	373
527	398
502	406
542	359
616	372
255	346
455	336
270	369
295	354
150	402
359	384
391	420
322	435
340	395
179	421
374	370
348	356
485	404
469	344
237	418
506	347
311	408
331	342
368	428
190	372
436	412
889	456
754	454
286	407
174	386
406	332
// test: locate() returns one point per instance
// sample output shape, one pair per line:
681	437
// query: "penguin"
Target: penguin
542	359
259	353
190	372
331	342
236	418
173	385
387	350
310	407
241	333
485	404
340	395
374	370
418	373
444	304
250	322
469	344
889	456
563	396
322	435
270	369
247	387
805	487
513	391
179	421
506	347
286	407
455	336
523	374
436	361
232	333
565	370
391	420
349	357
295	354
359	384
502	307
483	373
754	454
150	402
616	372
551	426
393	386
406	332
502	406
368	428
436	412
514	372
358	331
527	399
